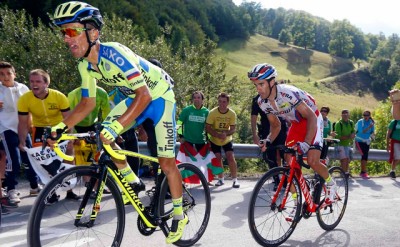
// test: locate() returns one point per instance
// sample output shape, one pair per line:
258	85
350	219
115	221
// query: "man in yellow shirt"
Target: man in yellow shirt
221	125
44	107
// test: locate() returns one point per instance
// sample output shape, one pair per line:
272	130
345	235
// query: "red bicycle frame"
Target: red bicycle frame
295	170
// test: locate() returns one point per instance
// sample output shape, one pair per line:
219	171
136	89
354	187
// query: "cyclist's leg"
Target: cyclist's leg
165	135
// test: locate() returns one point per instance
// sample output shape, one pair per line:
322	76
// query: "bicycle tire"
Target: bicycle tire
196	202
269	225
330	216
53	225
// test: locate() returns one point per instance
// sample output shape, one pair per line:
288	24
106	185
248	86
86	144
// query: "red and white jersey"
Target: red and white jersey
287	99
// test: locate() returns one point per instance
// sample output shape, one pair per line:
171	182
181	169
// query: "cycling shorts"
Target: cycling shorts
162	112
298	130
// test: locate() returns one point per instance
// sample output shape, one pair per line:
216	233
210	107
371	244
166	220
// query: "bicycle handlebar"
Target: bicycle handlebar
70	136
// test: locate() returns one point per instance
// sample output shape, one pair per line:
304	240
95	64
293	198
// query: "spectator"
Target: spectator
272	156
328	130
193	138
46	107
4	200
10	92
345	132
221	125
393	145
364	134
395	99
192	120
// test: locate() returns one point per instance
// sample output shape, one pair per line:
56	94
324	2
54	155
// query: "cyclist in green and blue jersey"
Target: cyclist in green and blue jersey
148	87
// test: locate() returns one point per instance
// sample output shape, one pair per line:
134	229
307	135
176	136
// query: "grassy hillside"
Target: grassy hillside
332	81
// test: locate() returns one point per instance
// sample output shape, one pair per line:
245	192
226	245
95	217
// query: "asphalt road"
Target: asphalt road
371	219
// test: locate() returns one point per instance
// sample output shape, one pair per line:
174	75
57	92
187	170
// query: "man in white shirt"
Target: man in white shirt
10	91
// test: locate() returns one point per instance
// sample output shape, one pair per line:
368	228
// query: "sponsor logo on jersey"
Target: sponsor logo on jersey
114	55
113	80
150	83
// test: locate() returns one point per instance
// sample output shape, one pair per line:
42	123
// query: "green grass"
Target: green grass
315	72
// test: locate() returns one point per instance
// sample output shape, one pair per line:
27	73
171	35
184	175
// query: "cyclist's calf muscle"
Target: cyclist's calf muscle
313	160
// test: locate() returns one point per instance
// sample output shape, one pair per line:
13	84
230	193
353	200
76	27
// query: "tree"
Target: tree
303	30
341	43
322	35
379	70
279	24
362	45
285	36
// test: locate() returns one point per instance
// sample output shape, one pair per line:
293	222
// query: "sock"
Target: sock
129	175
234	180
294	197
329	180
178	211
222	179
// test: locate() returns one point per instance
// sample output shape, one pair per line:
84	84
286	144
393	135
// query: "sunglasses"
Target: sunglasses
366	115
324	111
72	32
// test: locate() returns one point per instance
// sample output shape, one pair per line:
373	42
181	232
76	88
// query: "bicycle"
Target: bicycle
273	210
100	220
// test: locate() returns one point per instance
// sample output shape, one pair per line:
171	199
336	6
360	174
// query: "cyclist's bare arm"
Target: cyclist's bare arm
307	113
253	121
82	109
142	100
275	126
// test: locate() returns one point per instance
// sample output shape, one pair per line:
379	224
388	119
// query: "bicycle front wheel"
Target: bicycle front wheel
271	224
329	216
58	219
196	202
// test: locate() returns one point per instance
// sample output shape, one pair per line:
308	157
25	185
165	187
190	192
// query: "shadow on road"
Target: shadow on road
336	237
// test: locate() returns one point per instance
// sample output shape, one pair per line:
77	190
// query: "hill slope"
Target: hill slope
332	81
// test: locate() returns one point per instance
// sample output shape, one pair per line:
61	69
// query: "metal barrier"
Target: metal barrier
243	151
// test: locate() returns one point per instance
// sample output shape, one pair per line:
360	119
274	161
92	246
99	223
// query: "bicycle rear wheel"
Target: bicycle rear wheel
52	218
269	224
196	203
329	216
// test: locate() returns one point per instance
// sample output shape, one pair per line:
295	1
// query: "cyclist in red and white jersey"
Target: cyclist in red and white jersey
297	107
